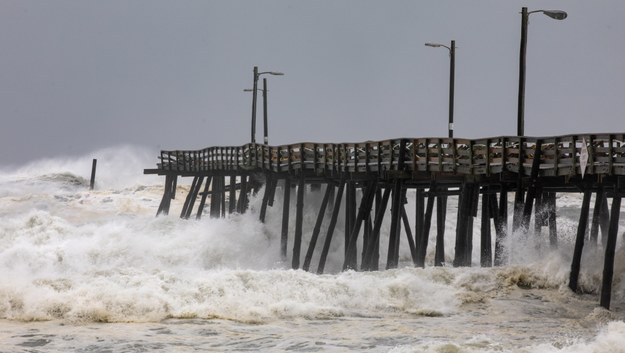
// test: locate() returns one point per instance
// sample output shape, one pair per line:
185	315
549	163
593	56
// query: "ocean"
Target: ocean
96	271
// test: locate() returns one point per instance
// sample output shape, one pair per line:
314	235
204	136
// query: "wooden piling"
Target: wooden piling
243	190
270	185
93	167
532	189
419	220
393	243
579	241
540	219
317	228
370	263
163	207
485	239
604	221
222	195
191	196
551	217
501	226
411	242
608	263
285	217
299	219
232	201
174	186
427	223
365	206
335	215
475	197
441	216
216	194
596	215
203	199
519	202
464	212
350	216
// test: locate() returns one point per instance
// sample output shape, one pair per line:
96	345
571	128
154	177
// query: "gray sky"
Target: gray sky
76	76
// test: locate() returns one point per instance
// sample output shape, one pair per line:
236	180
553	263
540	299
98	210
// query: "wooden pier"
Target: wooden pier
534	169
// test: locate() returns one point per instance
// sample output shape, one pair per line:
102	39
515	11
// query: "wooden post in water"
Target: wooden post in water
270	185
531	191
317	229
370	263
540	218
551	218
608	264
335	215
242	203
174	186
285	217
427	224
475	197
350	215
163	207
411	242
393	242
464	212
93	167
299	221
222	195
365	206
519	196
579	240
190	199
232	202
604	220
441	216
501	226
596	215
419	220
216	187
485	239
203	199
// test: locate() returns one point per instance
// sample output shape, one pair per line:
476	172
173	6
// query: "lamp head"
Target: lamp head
555	14
433	45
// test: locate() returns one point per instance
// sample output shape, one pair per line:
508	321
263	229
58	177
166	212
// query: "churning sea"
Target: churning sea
96	271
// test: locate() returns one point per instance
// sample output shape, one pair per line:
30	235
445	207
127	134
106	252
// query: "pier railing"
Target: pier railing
558	156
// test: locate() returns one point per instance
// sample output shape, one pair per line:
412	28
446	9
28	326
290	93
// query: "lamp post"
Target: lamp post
555	14
254	89
265	119
452	74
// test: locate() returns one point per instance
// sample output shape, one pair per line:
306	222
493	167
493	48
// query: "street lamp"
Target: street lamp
555	14
452	73
256	75
265	120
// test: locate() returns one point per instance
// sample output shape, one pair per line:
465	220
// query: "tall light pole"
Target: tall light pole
555	14
265	119
452	74
255	88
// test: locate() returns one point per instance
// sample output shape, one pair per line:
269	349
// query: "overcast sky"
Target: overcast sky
76	76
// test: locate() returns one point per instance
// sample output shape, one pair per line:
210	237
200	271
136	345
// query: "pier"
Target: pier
372	177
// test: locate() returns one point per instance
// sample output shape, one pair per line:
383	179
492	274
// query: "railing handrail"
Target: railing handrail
560	155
